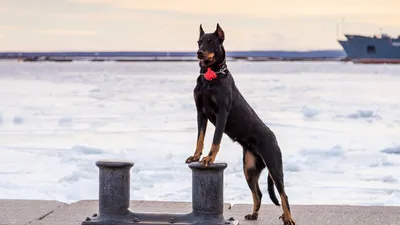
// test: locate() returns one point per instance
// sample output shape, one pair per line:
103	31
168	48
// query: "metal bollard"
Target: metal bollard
114	198
208	188
114	187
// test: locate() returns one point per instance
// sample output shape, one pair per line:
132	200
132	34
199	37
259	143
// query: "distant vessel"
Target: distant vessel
364	49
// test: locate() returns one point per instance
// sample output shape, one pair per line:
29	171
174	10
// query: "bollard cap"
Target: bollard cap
114	163
214	166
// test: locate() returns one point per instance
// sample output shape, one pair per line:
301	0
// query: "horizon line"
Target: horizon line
174	51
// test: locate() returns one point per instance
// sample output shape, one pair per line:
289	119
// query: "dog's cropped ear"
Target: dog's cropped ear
201	31
220	33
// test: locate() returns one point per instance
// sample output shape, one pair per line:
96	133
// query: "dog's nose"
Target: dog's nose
200	54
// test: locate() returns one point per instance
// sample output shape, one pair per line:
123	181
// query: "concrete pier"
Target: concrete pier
37	212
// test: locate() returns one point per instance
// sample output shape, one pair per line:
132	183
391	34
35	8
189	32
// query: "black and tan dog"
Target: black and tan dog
218	100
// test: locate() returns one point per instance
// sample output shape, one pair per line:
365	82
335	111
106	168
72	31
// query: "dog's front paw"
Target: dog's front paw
287	221
253	216
207	160
194	158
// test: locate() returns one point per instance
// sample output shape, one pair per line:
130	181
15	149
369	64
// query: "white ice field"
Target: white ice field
338	125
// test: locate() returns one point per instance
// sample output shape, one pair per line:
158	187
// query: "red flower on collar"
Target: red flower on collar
209	75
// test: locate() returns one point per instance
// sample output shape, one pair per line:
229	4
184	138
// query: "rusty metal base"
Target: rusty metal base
130	218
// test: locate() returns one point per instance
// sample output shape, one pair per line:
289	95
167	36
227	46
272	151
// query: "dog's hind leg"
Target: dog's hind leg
252	167
273	158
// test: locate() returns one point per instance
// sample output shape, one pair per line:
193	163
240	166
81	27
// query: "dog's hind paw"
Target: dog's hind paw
194	158
253	216
287	221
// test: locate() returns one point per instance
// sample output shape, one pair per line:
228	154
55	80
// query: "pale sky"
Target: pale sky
172	25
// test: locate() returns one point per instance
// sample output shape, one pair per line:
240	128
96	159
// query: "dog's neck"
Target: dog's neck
219	67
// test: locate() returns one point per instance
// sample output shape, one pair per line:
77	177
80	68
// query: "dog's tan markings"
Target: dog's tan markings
256	207
210	158
214	99
200	143
199	148
208	55
249	166
249	162
286	216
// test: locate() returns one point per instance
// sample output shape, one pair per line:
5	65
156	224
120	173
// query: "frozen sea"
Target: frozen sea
338	125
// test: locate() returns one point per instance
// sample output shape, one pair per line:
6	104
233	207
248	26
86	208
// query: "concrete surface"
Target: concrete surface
77	212
25	211
33	212
322	215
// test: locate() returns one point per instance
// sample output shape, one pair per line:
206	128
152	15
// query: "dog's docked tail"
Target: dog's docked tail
271	191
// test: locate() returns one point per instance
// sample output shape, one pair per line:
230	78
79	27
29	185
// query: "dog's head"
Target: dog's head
210	45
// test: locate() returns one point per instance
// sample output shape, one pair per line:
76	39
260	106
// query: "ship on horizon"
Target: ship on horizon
375	49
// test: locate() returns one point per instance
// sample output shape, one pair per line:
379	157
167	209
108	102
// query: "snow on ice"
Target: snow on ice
337	125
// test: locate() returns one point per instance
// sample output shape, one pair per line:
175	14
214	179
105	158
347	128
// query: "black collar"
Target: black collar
219	69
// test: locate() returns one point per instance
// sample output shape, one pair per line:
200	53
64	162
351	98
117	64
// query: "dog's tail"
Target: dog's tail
271	191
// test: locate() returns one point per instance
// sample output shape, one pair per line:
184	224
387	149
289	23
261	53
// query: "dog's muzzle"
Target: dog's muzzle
200	54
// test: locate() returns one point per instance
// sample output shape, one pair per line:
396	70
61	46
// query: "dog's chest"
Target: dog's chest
209	101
